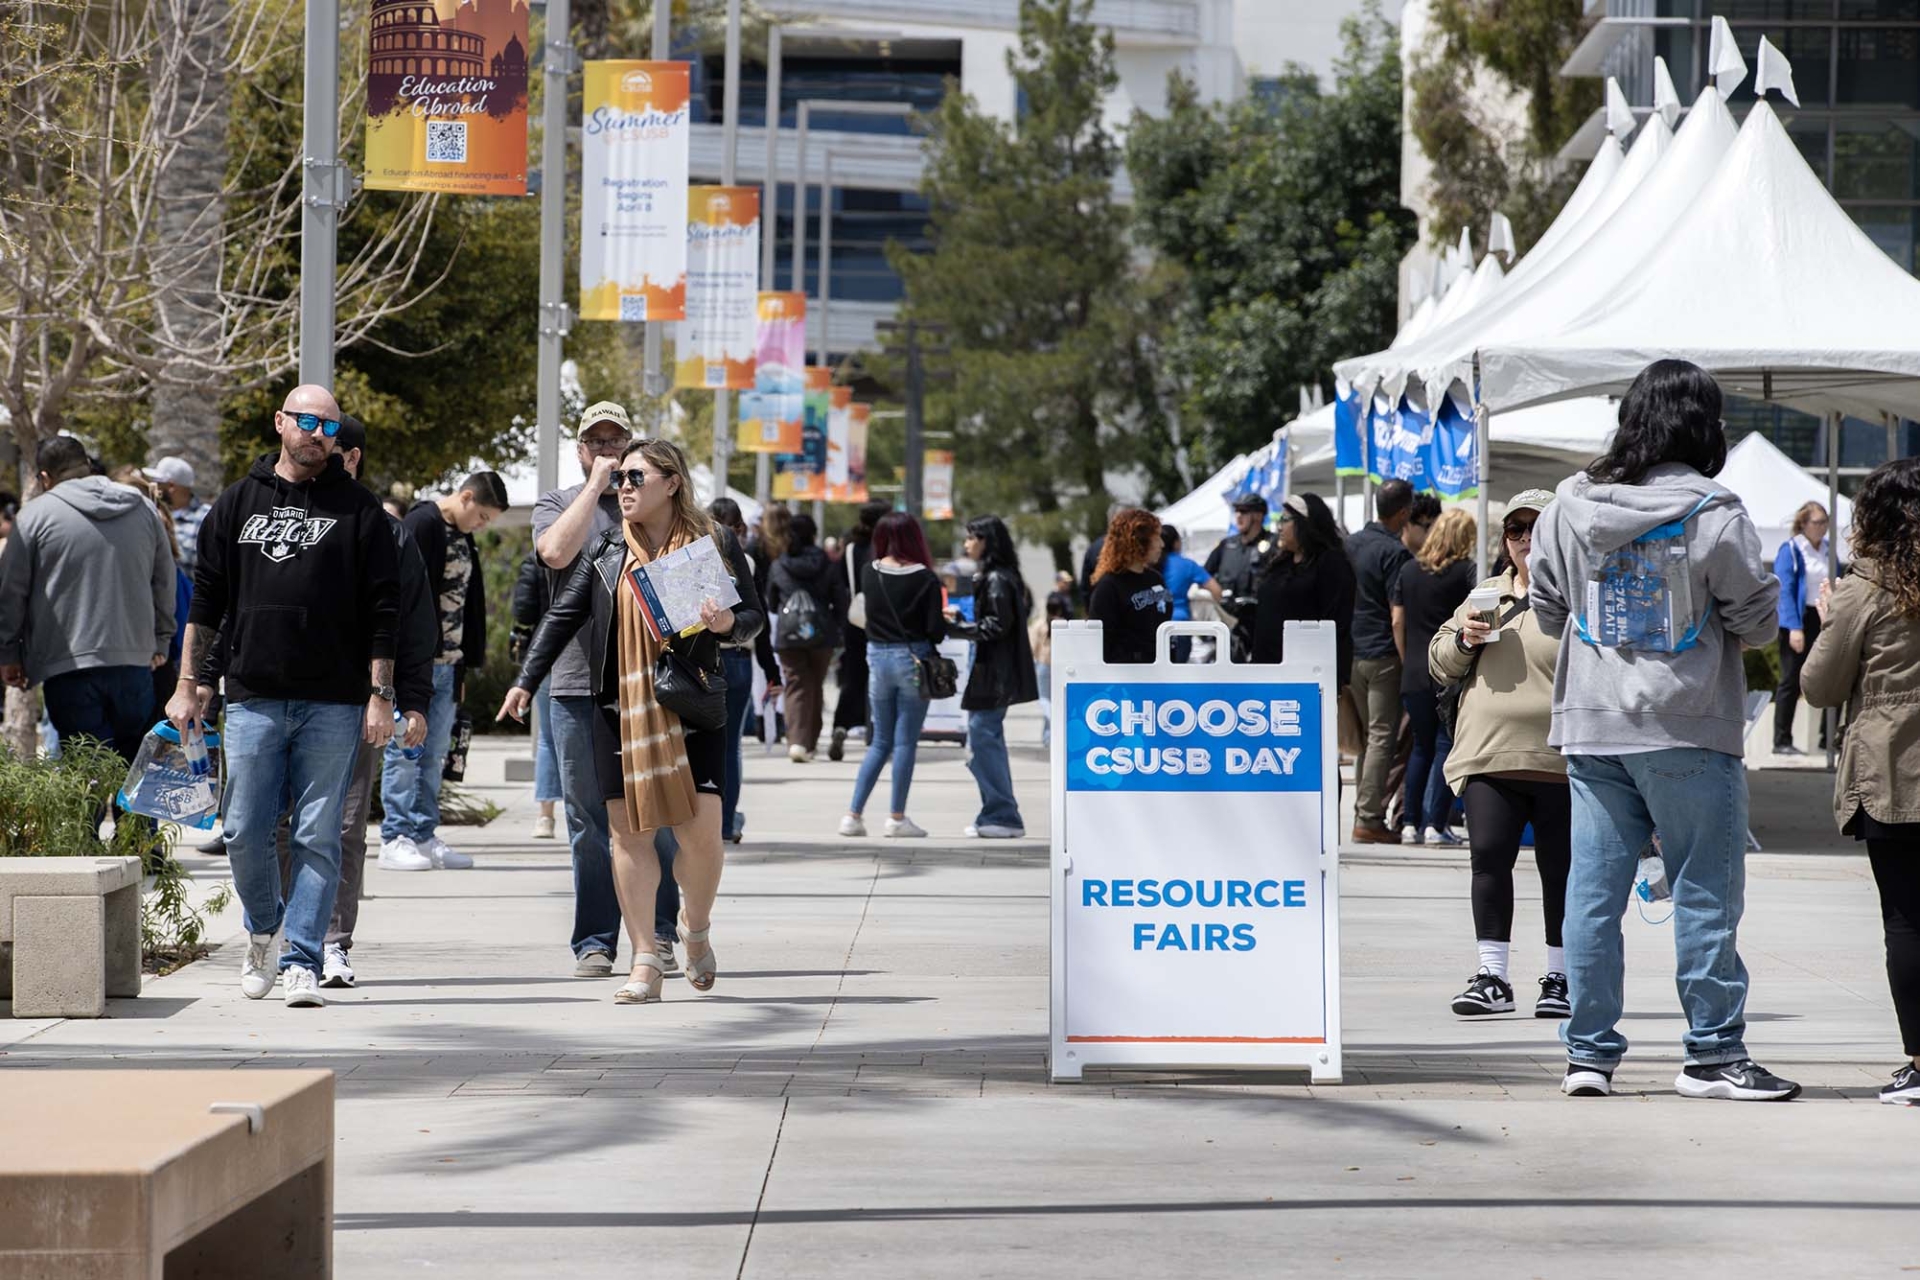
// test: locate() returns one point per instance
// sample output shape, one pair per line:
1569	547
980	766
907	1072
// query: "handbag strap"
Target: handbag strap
853	577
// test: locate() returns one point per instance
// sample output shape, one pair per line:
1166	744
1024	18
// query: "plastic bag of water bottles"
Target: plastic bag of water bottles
173	780
1650	881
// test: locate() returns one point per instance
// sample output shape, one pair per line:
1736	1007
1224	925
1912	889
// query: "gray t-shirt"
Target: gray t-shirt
571	676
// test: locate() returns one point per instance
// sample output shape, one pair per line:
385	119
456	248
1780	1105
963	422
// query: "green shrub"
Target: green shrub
1763	667
501	551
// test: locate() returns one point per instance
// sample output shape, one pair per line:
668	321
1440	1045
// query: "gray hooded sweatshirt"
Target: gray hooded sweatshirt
1610	701
86	581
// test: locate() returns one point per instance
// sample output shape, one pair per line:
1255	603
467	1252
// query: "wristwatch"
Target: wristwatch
384	692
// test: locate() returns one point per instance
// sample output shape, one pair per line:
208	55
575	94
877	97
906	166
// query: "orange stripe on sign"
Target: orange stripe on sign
1196	1039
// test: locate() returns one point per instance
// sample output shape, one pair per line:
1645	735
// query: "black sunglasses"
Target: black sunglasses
1517	529
312	422
636	477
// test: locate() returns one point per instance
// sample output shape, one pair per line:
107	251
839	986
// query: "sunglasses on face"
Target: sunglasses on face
1518	529
312	422
635	478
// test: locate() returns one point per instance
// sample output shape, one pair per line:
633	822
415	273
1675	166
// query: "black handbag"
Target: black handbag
692	692
939	675
1447	698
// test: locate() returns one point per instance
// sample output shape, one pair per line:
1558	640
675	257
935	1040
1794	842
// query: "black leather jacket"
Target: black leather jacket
587	599
1003	671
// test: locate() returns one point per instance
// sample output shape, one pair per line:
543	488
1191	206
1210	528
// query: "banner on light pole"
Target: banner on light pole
839	425
936	485
447	97
802	475
634	140
713	350
772	415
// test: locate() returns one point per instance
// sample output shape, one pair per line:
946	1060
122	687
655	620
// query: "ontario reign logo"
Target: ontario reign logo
283	531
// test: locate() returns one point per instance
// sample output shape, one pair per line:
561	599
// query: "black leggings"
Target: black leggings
1498	810
1896	870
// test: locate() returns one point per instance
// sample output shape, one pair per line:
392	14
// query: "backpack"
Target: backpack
1640	596
801	624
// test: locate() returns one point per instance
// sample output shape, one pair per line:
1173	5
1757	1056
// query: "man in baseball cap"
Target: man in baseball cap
604	411
174	476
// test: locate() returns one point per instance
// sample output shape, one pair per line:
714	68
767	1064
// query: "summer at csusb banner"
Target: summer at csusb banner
771	415
447	96
713	350
633	199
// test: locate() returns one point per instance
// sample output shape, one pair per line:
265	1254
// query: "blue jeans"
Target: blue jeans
296	757
987	762
410	789
596	903
1429	801
896	710
737	666
112	705
1697	800
546	766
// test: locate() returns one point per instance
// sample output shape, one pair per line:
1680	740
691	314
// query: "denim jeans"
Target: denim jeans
410	789
296	755
1429	801
596	903
1697	800
546	766
112	705
987	762
737	666
896	710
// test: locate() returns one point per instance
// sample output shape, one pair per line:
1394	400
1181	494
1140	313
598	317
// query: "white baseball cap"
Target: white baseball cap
171	471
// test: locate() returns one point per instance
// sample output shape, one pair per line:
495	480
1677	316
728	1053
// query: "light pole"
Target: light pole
323	191
555	315
653	382
729	139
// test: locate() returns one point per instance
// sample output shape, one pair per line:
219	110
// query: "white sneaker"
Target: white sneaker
444	856
851	825
799	754
1410	835
994	831
336	970
543	827
402	854
259	967
302	989
903	827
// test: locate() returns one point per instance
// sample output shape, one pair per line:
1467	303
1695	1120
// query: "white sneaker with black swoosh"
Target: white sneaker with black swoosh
1742	1081
1584	1080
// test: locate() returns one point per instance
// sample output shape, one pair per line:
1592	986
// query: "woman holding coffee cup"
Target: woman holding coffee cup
1502	664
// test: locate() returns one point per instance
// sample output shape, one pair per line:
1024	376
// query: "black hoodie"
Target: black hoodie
808	569
304	581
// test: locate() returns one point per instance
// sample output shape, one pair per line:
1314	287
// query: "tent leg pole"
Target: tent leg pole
1830	718
1482	466
1340	500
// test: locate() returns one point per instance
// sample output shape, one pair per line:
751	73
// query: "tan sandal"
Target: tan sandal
643	993
702	970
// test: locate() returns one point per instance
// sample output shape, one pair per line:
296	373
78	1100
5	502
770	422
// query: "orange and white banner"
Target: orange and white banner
773	414
839	429
714	348
936	485
447	96
633	191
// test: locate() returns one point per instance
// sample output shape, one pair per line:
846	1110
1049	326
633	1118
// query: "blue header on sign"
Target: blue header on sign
1193	737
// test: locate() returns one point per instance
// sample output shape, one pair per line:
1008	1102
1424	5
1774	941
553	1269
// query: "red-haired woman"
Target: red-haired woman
1130	598
904	623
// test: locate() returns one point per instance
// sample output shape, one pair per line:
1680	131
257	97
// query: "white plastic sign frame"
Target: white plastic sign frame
1195	892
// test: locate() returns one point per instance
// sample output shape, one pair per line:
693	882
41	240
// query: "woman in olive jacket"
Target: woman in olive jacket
1002	673
1868	656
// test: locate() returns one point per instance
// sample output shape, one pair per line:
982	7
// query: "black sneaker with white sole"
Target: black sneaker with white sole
1553	997
1905	1089
1486	993
1584	1080
1742	1081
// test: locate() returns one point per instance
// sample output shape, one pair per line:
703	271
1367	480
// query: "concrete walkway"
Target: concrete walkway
864	1093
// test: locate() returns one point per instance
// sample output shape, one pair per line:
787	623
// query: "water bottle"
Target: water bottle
400	732
1650	884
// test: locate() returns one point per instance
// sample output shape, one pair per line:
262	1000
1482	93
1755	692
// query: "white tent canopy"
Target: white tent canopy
1766	282
1772	487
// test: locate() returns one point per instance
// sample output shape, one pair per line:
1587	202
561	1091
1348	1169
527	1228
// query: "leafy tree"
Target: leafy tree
1281	213
1032	276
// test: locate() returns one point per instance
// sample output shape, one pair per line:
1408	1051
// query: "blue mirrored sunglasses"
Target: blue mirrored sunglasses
312	422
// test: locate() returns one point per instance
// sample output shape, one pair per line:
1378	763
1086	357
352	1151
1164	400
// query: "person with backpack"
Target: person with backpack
1650	576
1498	692
807	599
1002	675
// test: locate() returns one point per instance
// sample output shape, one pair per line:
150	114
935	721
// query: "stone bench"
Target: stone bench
166	1175
69	934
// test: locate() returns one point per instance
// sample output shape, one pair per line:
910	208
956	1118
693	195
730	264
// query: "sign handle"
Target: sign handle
1223	639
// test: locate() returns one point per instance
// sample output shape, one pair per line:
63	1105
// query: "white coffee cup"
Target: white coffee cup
1485	602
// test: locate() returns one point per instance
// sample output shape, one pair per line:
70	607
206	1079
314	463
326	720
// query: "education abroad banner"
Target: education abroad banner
447	96
802	475
936	485
713	350
772	415
633	200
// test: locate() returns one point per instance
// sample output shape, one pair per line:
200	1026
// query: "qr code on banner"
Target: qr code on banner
446	142
633	306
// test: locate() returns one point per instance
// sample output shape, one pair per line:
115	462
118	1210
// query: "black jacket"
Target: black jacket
304	580
531	596
431	533
587	599
1003	673
1377	557
1321	589
808	569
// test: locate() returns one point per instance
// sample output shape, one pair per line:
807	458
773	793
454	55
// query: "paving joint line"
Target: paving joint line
765	1178
847	962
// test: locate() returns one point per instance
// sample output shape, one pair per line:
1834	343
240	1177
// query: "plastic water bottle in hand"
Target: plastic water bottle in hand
1650	883
399	737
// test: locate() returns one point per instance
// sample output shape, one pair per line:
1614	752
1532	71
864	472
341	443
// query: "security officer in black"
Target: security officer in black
1236	564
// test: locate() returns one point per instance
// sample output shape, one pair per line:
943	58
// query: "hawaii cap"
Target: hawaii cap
604	411
1529	500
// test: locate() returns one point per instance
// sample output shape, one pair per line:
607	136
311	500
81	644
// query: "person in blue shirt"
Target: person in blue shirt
1801	565
1182	575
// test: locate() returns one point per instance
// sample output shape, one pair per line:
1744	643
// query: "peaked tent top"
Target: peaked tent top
1767	282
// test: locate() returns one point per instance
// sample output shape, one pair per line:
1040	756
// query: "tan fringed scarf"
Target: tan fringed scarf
653	753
